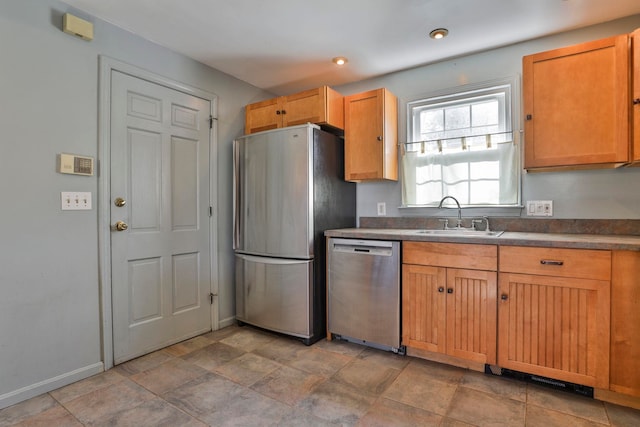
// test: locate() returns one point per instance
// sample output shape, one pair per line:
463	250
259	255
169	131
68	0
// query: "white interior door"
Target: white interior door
161	263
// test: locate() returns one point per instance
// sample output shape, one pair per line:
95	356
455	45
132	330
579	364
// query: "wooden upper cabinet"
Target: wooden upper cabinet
635	147
371	136
576	105
322	106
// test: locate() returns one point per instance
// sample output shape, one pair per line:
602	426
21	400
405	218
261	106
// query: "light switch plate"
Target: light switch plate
382	209
75	200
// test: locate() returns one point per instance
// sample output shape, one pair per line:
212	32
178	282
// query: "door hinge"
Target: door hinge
211	295
210	211
211	119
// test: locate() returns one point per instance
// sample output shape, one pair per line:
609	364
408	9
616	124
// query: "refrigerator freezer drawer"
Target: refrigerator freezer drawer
275	294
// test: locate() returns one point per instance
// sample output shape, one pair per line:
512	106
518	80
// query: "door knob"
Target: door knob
121	226
119	202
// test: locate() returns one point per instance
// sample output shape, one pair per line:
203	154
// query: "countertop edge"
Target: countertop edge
553	240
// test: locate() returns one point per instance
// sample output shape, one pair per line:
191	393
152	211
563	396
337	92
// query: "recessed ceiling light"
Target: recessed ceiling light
339	60
439	33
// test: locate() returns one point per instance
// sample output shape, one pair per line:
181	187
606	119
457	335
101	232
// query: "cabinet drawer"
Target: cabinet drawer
455	255
578	263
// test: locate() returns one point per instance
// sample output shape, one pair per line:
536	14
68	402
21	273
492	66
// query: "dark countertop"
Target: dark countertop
555	240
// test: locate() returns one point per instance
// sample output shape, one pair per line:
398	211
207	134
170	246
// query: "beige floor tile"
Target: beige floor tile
248	339
299	418
321	362
220	402
287	385
450	422
366	375
186	347
486	409
54	417
82	387
204	395
385	358
213	355
29	408
385	412
571	404
542	417
507	387
337	403
283	350
155	412
221	333
143	363
168	376
340	346
435	371
621	416
106	402
247	369
421	392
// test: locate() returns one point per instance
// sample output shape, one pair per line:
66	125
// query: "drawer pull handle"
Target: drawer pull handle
551	262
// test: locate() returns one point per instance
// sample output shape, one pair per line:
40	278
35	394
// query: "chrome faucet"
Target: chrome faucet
459	209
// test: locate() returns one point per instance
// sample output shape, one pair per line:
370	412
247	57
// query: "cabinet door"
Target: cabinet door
555	327
264	115
322	106
625	323
423	307
636	95
472	315
576	105
371	135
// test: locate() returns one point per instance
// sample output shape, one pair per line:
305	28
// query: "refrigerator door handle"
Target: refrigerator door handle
237	197
275	261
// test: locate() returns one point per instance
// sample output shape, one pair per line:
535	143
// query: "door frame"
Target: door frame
106	66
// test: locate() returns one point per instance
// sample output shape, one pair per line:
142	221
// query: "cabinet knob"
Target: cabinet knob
449	290
440	289
278	112
529	117
284	111
636	101
504	297
379	138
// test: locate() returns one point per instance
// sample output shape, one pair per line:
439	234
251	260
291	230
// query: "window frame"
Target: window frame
458	94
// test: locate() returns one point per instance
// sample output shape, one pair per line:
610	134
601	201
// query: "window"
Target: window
462	145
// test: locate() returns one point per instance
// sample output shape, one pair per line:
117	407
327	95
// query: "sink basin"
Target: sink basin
461	233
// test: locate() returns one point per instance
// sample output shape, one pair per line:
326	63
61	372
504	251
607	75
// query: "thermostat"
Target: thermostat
75	165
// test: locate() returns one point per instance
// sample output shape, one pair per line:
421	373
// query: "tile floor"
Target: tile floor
241	376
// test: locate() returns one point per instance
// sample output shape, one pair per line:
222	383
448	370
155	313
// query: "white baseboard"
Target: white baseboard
226	322
47	385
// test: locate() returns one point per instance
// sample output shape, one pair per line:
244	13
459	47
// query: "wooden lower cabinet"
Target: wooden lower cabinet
555	327
625	324
450	311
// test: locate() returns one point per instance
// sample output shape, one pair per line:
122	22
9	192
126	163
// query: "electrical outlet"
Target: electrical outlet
75	200
540	208
382	209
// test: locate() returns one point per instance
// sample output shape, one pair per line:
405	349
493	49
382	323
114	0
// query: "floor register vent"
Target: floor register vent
572	388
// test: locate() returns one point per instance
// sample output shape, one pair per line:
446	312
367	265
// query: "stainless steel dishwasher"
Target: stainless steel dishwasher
363	287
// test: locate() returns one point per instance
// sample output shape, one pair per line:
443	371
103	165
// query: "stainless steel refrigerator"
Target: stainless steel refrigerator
288	189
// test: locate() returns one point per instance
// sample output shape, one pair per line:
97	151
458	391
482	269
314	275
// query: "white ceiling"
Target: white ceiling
284	46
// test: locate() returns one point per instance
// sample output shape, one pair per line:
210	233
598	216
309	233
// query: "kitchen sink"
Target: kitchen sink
460	233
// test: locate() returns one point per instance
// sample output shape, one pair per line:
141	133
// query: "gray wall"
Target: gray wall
579	194
49	278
